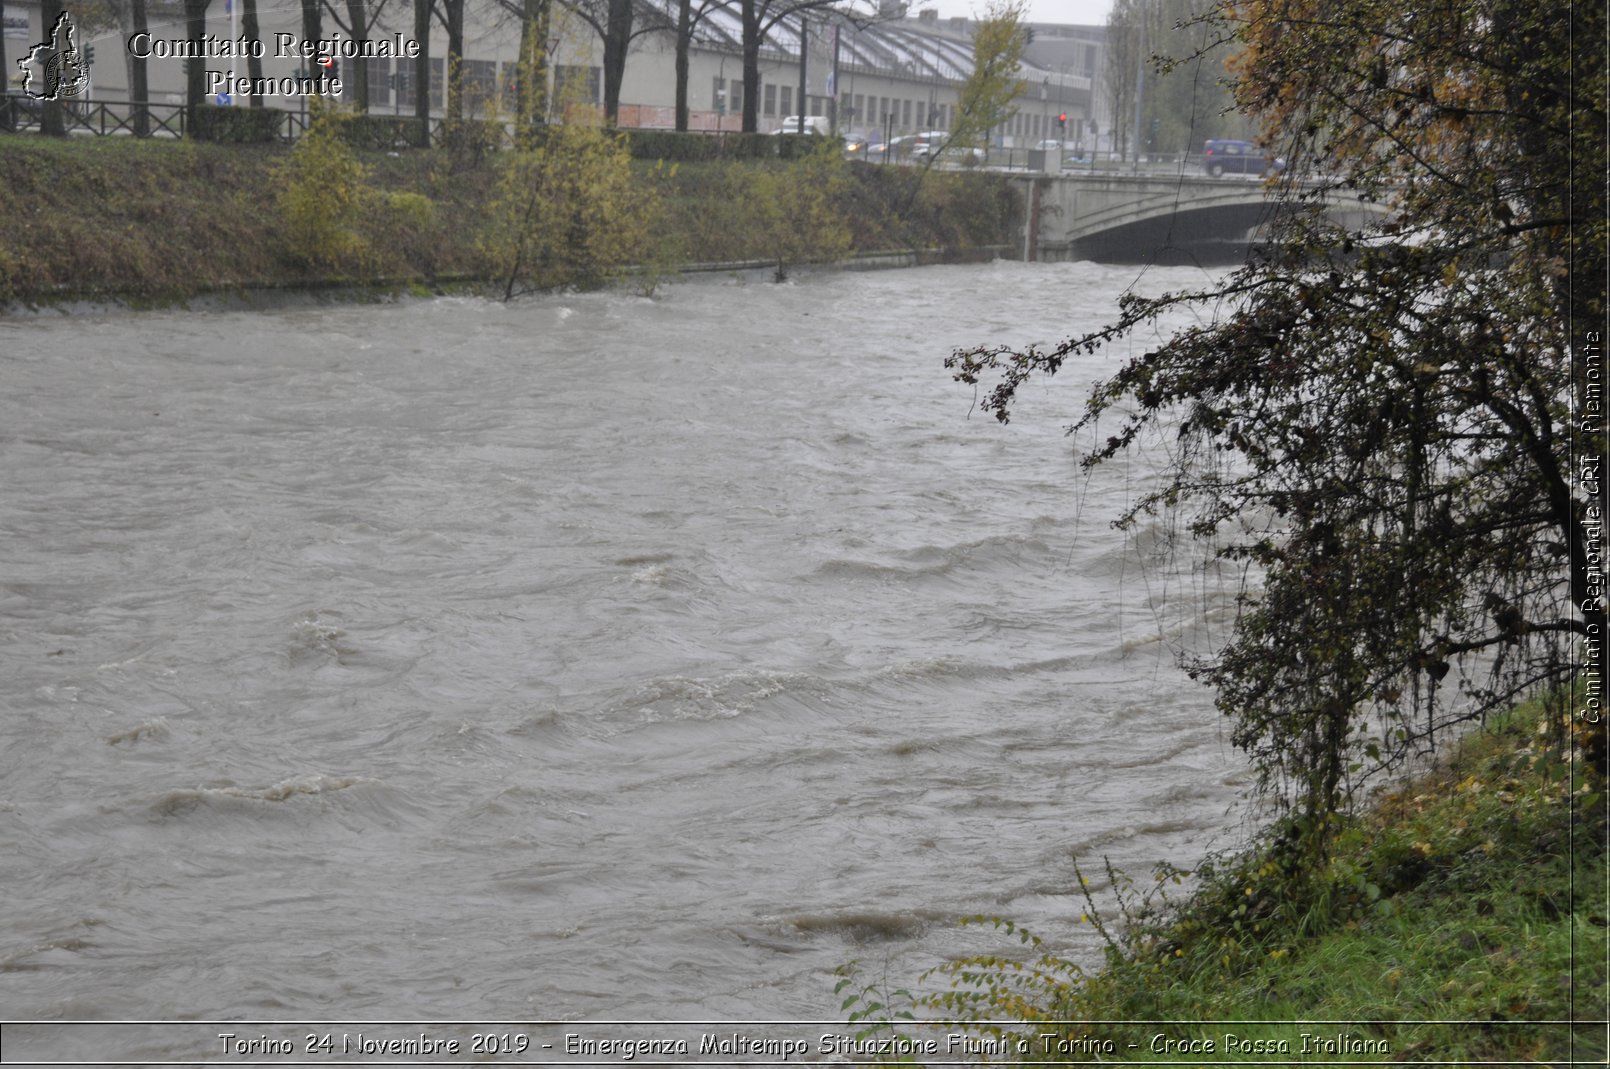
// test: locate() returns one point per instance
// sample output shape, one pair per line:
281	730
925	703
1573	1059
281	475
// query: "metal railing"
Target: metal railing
101	118
114	118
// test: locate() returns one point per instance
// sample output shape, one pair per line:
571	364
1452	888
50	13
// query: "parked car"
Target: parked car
932	142
1049	145
1220	157
810	124
863	146
900	147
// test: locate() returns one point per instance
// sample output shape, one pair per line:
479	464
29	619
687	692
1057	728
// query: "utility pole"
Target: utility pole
1140	86
804	46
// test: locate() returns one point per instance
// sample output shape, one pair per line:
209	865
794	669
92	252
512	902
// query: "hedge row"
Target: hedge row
677	147
384	132
236	126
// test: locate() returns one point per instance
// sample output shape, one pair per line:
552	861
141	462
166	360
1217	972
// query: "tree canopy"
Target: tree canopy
1391	425
1176	50
986	98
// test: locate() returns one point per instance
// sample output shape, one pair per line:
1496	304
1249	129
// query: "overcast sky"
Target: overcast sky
1079	12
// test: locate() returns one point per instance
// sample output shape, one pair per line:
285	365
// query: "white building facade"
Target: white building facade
894	75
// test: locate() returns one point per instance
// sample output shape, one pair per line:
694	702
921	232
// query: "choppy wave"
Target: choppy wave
583	655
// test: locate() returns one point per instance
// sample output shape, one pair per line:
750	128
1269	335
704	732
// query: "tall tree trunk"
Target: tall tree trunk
50	120
6	122
195	70
139	89
684	41
531	96
358	79
248	30
751	51
454	10
616	41
422	9
312	29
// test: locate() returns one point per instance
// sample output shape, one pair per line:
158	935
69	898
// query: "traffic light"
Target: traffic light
1062	122
89	55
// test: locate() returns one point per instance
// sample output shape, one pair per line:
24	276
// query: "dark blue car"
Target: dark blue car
1238	157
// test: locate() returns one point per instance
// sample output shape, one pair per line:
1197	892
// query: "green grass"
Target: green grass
1461	919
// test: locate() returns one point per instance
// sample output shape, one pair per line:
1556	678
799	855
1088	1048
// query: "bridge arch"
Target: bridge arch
1133	217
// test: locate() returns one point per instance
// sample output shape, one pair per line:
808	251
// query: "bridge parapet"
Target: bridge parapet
1125	216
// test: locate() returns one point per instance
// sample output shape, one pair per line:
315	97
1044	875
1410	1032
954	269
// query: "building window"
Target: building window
575	84
509	86
438	80
787	101
905	114
480	79
405	84
770	97
379	73
735	96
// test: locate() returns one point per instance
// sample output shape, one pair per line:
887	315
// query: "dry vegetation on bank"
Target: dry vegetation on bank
153	220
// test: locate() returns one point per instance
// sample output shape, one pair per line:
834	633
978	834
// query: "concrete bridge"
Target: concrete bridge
1146	217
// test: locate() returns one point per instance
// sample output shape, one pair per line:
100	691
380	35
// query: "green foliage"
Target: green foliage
1178	50
803	146
1448	915
792	212
567	211
748	146
322	195
384	132
237	126
1372	422
410	225
669	145
986	98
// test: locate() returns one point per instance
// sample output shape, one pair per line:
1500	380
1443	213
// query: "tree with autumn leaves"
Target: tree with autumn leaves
1384	424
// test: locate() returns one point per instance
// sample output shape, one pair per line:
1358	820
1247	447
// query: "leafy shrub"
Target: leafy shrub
672	145
236	126
322	193
748	146
568	211
680	147
384	132
797	210
800	146
467	142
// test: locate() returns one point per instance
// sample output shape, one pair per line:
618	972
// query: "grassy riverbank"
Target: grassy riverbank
157	220
1460	920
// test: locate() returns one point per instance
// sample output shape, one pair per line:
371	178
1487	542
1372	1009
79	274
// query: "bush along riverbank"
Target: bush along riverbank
1460	919
156	221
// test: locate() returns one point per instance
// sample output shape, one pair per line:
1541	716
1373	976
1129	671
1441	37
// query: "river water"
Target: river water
588	657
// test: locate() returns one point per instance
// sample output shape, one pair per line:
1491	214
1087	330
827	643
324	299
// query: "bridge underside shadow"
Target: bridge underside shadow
1219	234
